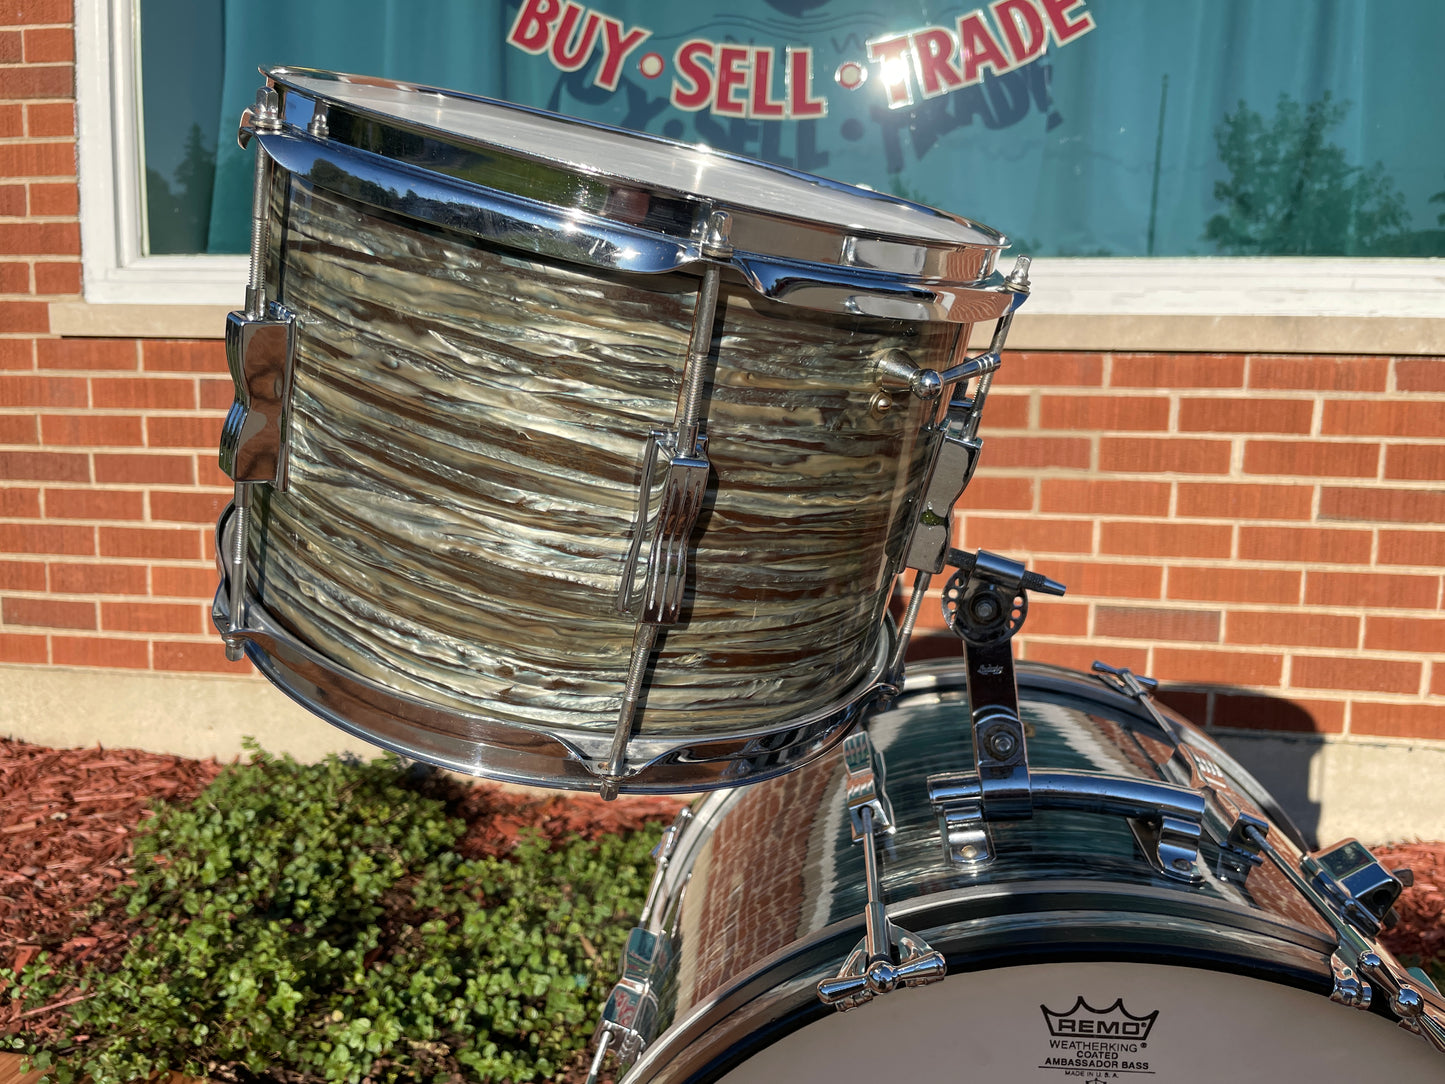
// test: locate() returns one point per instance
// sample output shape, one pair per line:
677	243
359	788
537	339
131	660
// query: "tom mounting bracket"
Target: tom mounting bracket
985	603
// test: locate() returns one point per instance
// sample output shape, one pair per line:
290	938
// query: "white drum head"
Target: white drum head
1095	1022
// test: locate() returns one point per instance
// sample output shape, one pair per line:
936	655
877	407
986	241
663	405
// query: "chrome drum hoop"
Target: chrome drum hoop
751	931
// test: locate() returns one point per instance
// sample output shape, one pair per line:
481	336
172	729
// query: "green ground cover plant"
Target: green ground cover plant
307	923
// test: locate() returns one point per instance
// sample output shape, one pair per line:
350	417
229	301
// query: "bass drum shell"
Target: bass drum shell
1069	958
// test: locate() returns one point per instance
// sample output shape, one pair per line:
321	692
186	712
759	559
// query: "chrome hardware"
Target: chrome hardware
1361	876
260	346
683	491
957	445
629	1016
871	968
319	126
1349	988
1360	971
1227	820
985	603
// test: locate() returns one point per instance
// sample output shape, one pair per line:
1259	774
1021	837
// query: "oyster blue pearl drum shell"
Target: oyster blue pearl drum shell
479	370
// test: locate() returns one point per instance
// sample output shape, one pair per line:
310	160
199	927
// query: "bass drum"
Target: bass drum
1069	958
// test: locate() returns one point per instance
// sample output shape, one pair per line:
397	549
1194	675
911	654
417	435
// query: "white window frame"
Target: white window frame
117	272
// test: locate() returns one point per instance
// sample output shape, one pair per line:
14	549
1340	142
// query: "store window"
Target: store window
1081	128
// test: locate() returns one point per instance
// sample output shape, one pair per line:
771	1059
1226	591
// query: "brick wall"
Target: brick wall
1263	533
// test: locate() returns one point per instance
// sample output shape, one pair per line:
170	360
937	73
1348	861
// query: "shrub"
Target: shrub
307	923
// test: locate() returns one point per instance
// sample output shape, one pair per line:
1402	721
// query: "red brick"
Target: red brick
73	578
144	469
151	393
209	473
100	651
1229	584
183	432
1419	374
49	45
1398	720
87	354
999	493
12	205
1177	371
1053	617
1082	656
40	238
1354	674
1102	412
1423	635
22	575
54	200
174	543
14	278
1437	679
1277	713
1092	578
1388	589
94	504
1176	665
17	317
43	391
35	12
1314	545
1173	454
189	356
1412	548
38	81
217	393
57	278
15	647
95	430
45	466
17	353
1292	628
1034	535
19	429
1373	417
1107	497
1007	412
172	617
189	506
51	613
41	160
183	581
12	47
12	121
1315	458
1245	415
50	120
1011	451
1165	539
1376	504
46	538
198	658
1028	369
18	503
1419	462
1150	623
1319	374
1228	500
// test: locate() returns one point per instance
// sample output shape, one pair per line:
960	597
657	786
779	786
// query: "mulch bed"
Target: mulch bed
67	817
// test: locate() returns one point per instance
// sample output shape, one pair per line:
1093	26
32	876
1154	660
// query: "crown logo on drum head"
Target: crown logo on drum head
1085	1021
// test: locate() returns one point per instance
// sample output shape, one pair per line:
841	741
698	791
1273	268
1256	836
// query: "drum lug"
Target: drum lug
1349	988
873	968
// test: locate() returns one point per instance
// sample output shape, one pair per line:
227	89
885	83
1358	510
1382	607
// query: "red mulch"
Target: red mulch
1421	908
